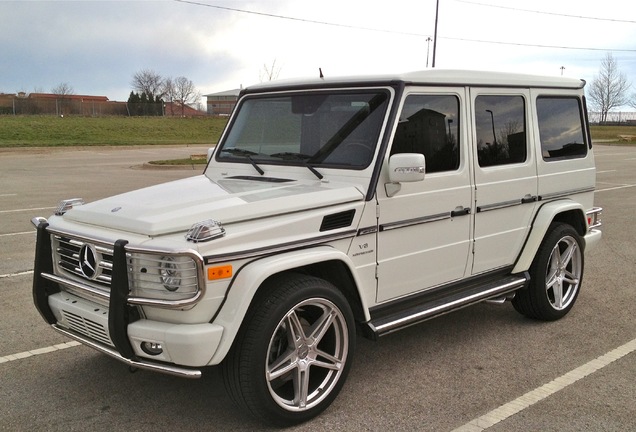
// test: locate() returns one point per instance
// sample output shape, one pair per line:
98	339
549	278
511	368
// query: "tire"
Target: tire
555	275
293	352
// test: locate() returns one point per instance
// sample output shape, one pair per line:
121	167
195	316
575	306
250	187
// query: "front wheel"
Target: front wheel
294	351
555	275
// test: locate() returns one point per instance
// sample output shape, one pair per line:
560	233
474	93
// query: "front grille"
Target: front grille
67	253
87	327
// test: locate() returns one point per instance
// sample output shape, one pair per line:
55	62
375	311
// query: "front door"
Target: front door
424	229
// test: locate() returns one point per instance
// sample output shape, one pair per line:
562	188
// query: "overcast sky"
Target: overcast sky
97	46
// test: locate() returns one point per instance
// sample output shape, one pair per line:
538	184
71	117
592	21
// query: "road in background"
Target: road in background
452	372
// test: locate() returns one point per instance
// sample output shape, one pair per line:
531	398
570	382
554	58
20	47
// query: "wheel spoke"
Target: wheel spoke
332	362
282	365
570	278
321	326
567	254
301	387
295	329
557	291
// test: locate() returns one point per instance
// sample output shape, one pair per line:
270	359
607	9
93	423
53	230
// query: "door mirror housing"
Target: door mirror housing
407	167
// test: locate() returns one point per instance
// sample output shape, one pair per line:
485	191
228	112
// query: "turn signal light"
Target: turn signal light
221	272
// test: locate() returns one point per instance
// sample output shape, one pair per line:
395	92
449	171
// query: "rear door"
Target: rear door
505	175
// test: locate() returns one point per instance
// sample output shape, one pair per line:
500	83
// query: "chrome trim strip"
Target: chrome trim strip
156	367
253	253
497	206
416	221
425	314
367	230
566	193
80	289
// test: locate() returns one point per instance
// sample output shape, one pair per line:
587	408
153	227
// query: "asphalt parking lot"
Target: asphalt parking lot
482	368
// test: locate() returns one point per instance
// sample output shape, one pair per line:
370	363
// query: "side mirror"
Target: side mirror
406	167
210	152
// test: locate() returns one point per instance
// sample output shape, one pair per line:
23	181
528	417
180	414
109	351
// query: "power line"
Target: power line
289	18
546	13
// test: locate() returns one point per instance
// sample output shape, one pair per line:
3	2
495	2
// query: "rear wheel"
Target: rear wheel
555	275
294	351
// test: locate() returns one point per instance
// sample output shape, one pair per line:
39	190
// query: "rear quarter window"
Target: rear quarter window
561	128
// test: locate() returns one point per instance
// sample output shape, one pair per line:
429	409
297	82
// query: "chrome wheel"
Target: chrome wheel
556	275
307	354
563	273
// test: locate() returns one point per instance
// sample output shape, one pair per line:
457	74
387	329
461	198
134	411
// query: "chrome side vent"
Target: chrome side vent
337	220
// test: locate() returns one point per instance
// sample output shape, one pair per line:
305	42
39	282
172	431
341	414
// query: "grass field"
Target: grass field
50	131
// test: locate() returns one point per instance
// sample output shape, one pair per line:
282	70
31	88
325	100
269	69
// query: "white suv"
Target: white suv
331	205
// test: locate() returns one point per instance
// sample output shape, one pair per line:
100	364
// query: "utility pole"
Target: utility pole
435	36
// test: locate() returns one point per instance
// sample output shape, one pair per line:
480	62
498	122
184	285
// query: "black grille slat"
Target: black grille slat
337	220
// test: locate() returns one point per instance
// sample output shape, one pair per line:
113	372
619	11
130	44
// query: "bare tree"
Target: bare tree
185	92
63	89
149	82
608	89
169	93
269	73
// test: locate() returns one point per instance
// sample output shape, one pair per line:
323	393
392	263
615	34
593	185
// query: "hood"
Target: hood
175	206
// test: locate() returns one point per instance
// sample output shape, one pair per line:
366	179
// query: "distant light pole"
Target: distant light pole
428	44
435	36
562	69
492	121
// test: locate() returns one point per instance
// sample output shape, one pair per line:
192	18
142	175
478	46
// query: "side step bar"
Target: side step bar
443	304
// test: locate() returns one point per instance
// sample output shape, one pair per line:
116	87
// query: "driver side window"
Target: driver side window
429	124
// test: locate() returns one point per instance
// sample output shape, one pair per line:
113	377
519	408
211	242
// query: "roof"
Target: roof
445	77
84	98
234	92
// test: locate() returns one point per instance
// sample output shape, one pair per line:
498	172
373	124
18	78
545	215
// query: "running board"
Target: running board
443	304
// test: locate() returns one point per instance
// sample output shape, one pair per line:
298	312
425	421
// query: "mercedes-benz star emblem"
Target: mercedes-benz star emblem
88	261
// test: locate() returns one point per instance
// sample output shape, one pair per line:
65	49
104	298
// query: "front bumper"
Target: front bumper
118	330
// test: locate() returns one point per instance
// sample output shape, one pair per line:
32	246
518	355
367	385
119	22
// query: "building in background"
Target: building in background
222	103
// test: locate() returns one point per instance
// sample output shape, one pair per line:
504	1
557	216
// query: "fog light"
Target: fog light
151	348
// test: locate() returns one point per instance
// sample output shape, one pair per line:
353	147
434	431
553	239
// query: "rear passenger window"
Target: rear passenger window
500	124
429	124
561	128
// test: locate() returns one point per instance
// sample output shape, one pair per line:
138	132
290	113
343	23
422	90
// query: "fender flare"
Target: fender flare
546	214
251	276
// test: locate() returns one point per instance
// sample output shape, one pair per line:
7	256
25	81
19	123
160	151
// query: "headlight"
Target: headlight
162	277
169	274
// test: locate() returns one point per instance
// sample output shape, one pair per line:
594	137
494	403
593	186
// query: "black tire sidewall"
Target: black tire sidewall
538	295
279	296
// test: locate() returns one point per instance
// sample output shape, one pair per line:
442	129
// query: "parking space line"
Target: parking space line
8	195
17	233
27	209
26	272
615	188
39	351
532	397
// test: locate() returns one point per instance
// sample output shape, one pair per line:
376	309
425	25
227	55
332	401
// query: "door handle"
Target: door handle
528	199
459	211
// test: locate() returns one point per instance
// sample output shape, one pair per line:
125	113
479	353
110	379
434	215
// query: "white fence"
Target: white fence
628	117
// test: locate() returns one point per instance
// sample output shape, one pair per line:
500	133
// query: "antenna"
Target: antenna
321	75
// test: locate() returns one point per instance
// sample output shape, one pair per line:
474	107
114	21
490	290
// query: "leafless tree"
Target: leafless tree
63	89
269	73
608	89
185	93
149	82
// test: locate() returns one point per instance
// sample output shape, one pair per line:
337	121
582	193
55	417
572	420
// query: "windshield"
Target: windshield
320	129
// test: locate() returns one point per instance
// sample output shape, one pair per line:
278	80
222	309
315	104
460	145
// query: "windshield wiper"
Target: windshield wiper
300	158
247	154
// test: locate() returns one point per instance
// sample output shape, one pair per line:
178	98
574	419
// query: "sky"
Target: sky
97	46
